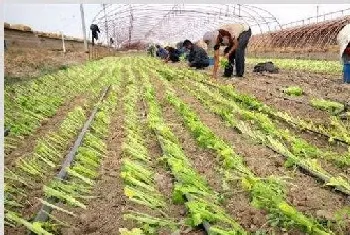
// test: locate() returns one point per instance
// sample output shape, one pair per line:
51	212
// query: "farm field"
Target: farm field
131	145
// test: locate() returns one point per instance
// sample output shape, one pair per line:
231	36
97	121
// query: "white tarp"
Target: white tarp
343	40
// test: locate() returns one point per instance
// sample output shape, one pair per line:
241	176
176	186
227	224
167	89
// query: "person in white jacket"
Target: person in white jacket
236	38
343	39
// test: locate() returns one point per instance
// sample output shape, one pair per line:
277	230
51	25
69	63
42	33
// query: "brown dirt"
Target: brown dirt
305	193
24	63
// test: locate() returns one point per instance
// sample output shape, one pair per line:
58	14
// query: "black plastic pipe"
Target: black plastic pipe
43	214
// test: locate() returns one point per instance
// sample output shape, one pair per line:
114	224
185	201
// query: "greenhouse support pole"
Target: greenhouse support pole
83	26
106	25
63	45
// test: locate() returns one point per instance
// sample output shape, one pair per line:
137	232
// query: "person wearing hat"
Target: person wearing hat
236	38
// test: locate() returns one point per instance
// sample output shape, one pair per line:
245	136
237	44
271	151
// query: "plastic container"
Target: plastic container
346	72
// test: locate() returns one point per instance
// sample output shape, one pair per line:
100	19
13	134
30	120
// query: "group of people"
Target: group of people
234	37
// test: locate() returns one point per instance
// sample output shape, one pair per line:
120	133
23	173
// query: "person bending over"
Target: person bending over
235	37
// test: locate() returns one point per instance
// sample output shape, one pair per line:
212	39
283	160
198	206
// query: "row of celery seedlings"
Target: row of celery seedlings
268	193
74	191
46	157
299	152
48	154
202	202
27	105
207	138
137	171
335	130
21	181
298	146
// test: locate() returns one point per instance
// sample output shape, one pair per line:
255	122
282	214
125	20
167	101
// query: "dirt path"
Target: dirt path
305	193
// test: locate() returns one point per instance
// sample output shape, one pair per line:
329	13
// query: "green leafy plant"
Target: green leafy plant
293	91
326	105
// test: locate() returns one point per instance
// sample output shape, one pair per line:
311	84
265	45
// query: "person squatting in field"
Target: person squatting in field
161	52
173	55
197	57
236	38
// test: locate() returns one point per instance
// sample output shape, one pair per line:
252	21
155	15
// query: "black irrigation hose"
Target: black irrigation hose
43	214
188	198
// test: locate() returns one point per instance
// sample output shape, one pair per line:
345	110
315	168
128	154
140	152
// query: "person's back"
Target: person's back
174	55
199	55
163	53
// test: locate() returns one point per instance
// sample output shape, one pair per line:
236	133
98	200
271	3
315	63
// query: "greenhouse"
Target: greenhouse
177	119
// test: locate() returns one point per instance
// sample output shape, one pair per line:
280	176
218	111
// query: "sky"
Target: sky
66	17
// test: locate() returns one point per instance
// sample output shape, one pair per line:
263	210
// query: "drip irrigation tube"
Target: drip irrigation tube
43	214
188	197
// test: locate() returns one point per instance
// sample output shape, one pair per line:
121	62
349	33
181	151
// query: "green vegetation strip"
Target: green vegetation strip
332	107
204	203
268	194
293	91
335	130
45	210
299	153
137	170
29	104
81	174
314	66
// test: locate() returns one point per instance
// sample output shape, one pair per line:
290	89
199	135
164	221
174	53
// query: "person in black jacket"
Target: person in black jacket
95	31
197	57
173	55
